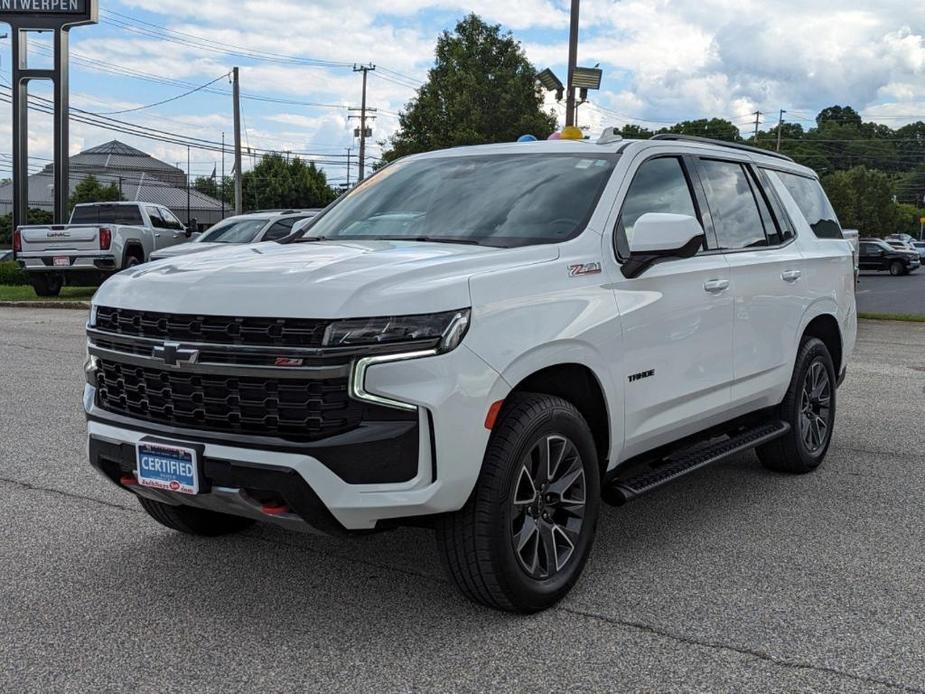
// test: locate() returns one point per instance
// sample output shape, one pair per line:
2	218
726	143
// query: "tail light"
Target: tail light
105	239
17	241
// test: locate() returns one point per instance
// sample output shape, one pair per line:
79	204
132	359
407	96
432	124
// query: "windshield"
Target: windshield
233	231
107	214
498	200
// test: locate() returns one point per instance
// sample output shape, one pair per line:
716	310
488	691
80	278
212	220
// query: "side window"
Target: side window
736	217
813	203
280	229
660	185
170	221
156	220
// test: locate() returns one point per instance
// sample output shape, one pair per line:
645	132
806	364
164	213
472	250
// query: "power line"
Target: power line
165	101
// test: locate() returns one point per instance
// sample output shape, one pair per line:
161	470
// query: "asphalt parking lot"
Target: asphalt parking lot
735	579
878	292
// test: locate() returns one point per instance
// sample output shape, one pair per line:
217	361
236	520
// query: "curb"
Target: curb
82	305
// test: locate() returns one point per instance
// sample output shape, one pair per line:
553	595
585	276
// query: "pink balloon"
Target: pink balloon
555	136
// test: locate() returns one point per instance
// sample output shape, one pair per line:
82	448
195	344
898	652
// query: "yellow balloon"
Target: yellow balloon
572	133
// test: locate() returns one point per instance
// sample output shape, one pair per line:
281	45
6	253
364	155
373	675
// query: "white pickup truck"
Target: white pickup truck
101	239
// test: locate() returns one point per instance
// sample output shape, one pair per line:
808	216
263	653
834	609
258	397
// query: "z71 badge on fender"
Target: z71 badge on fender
584	269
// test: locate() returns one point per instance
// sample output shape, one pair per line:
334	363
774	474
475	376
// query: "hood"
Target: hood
186	249
324	279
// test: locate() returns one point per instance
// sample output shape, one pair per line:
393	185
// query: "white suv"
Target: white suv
488	341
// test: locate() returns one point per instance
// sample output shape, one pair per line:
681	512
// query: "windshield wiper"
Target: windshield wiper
433	239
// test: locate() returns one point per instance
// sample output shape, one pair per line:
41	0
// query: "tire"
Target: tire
194	521
477	543
130	261
897	268
805	446
47	284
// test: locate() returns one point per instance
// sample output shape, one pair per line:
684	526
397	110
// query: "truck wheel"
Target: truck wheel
809	409
47	284
194	521
897	268
521	541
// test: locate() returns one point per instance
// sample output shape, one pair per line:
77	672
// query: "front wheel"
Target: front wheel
521	541
809	409
897	268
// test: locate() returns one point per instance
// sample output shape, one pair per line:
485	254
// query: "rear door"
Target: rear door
677	319
767	277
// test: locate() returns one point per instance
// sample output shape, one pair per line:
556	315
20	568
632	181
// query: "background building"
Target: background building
139	176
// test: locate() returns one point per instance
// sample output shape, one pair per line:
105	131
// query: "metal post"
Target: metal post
222	193
757	123
20	131
62	127
572	62
349	152
780	127
238	179
189	178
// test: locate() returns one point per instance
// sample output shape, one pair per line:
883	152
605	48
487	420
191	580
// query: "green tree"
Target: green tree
844	115
482	89
863	200
276	183
91	190
714	128
36	216
214	188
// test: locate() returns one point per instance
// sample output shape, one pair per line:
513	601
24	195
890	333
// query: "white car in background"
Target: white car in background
246	228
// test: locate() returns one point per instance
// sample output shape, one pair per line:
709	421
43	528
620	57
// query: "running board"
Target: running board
686	461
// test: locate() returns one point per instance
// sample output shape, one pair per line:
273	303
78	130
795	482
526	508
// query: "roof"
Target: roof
118	157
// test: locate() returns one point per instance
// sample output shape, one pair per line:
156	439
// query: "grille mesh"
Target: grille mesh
222	330
296	410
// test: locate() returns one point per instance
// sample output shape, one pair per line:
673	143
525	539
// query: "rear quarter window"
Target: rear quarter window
813	203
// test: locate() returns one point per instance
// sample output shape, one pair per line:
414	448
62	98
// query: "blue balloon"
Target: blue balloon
526	138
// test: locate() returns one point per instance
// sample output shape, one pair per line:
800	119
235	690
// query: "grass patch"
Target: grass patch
907	317
8	293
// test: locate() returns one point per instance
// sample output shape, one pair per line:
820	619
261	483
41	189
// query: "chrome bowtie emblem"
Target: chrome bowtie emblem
175	354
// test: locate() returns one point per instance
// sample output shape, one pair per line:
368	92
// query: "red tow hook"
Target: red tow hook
275	509
128	481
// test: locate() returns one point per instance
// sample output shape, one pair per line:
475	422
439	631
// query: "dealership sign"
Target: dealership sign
60	12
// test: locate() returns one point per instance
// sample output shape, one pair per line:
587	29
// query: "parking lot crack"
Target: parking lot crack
33	488
741	650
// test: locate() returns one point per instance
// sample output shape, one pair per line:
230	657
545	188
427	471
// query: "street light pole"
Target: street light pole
572	62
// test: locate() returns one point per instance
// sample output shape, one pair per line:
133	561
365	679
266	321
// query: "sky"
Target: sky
663	61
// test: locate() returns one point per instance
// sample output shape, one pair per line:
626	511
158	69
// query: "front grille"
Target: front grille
292	409
221	330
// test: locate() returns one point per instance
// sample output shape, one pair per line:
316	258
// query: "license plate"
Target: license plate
167	467
61	261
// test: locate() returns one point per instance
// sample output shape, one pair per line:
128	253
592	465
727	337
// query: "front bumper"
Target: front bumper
346	482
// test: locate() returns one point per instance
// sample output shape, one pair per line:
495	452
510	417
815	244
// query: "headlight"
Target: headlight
92	322
448	328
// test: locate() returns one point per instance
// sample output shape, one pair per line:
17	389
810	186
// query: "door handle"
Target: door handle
791	275
716	286
157	236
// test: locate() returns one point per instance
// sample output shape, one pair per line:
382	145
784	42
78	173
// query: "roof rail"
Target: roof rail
720	143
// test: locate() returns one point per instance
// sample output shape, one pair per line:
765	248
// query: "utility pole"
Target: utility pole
780	127
349	152
238	179
757	123
365	69
189	178
222	194
570	107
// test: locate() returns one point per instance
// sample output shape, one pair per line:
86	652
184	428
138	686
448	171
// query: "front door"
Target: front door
677	321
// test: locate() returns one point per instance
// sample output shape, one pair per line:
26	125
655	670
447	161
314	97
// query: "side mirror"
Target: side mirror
659	236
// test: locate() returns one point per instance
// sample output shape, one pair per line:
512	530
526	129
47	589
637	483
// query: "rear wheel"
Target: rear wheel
47	284
521	541
897	268
194	521
809	409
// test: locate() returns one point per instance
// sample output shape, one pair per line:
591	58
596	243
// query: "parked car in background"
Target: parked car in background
877	254
100	240
902	245
6	256
920	247
905	238
489	341
246	228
